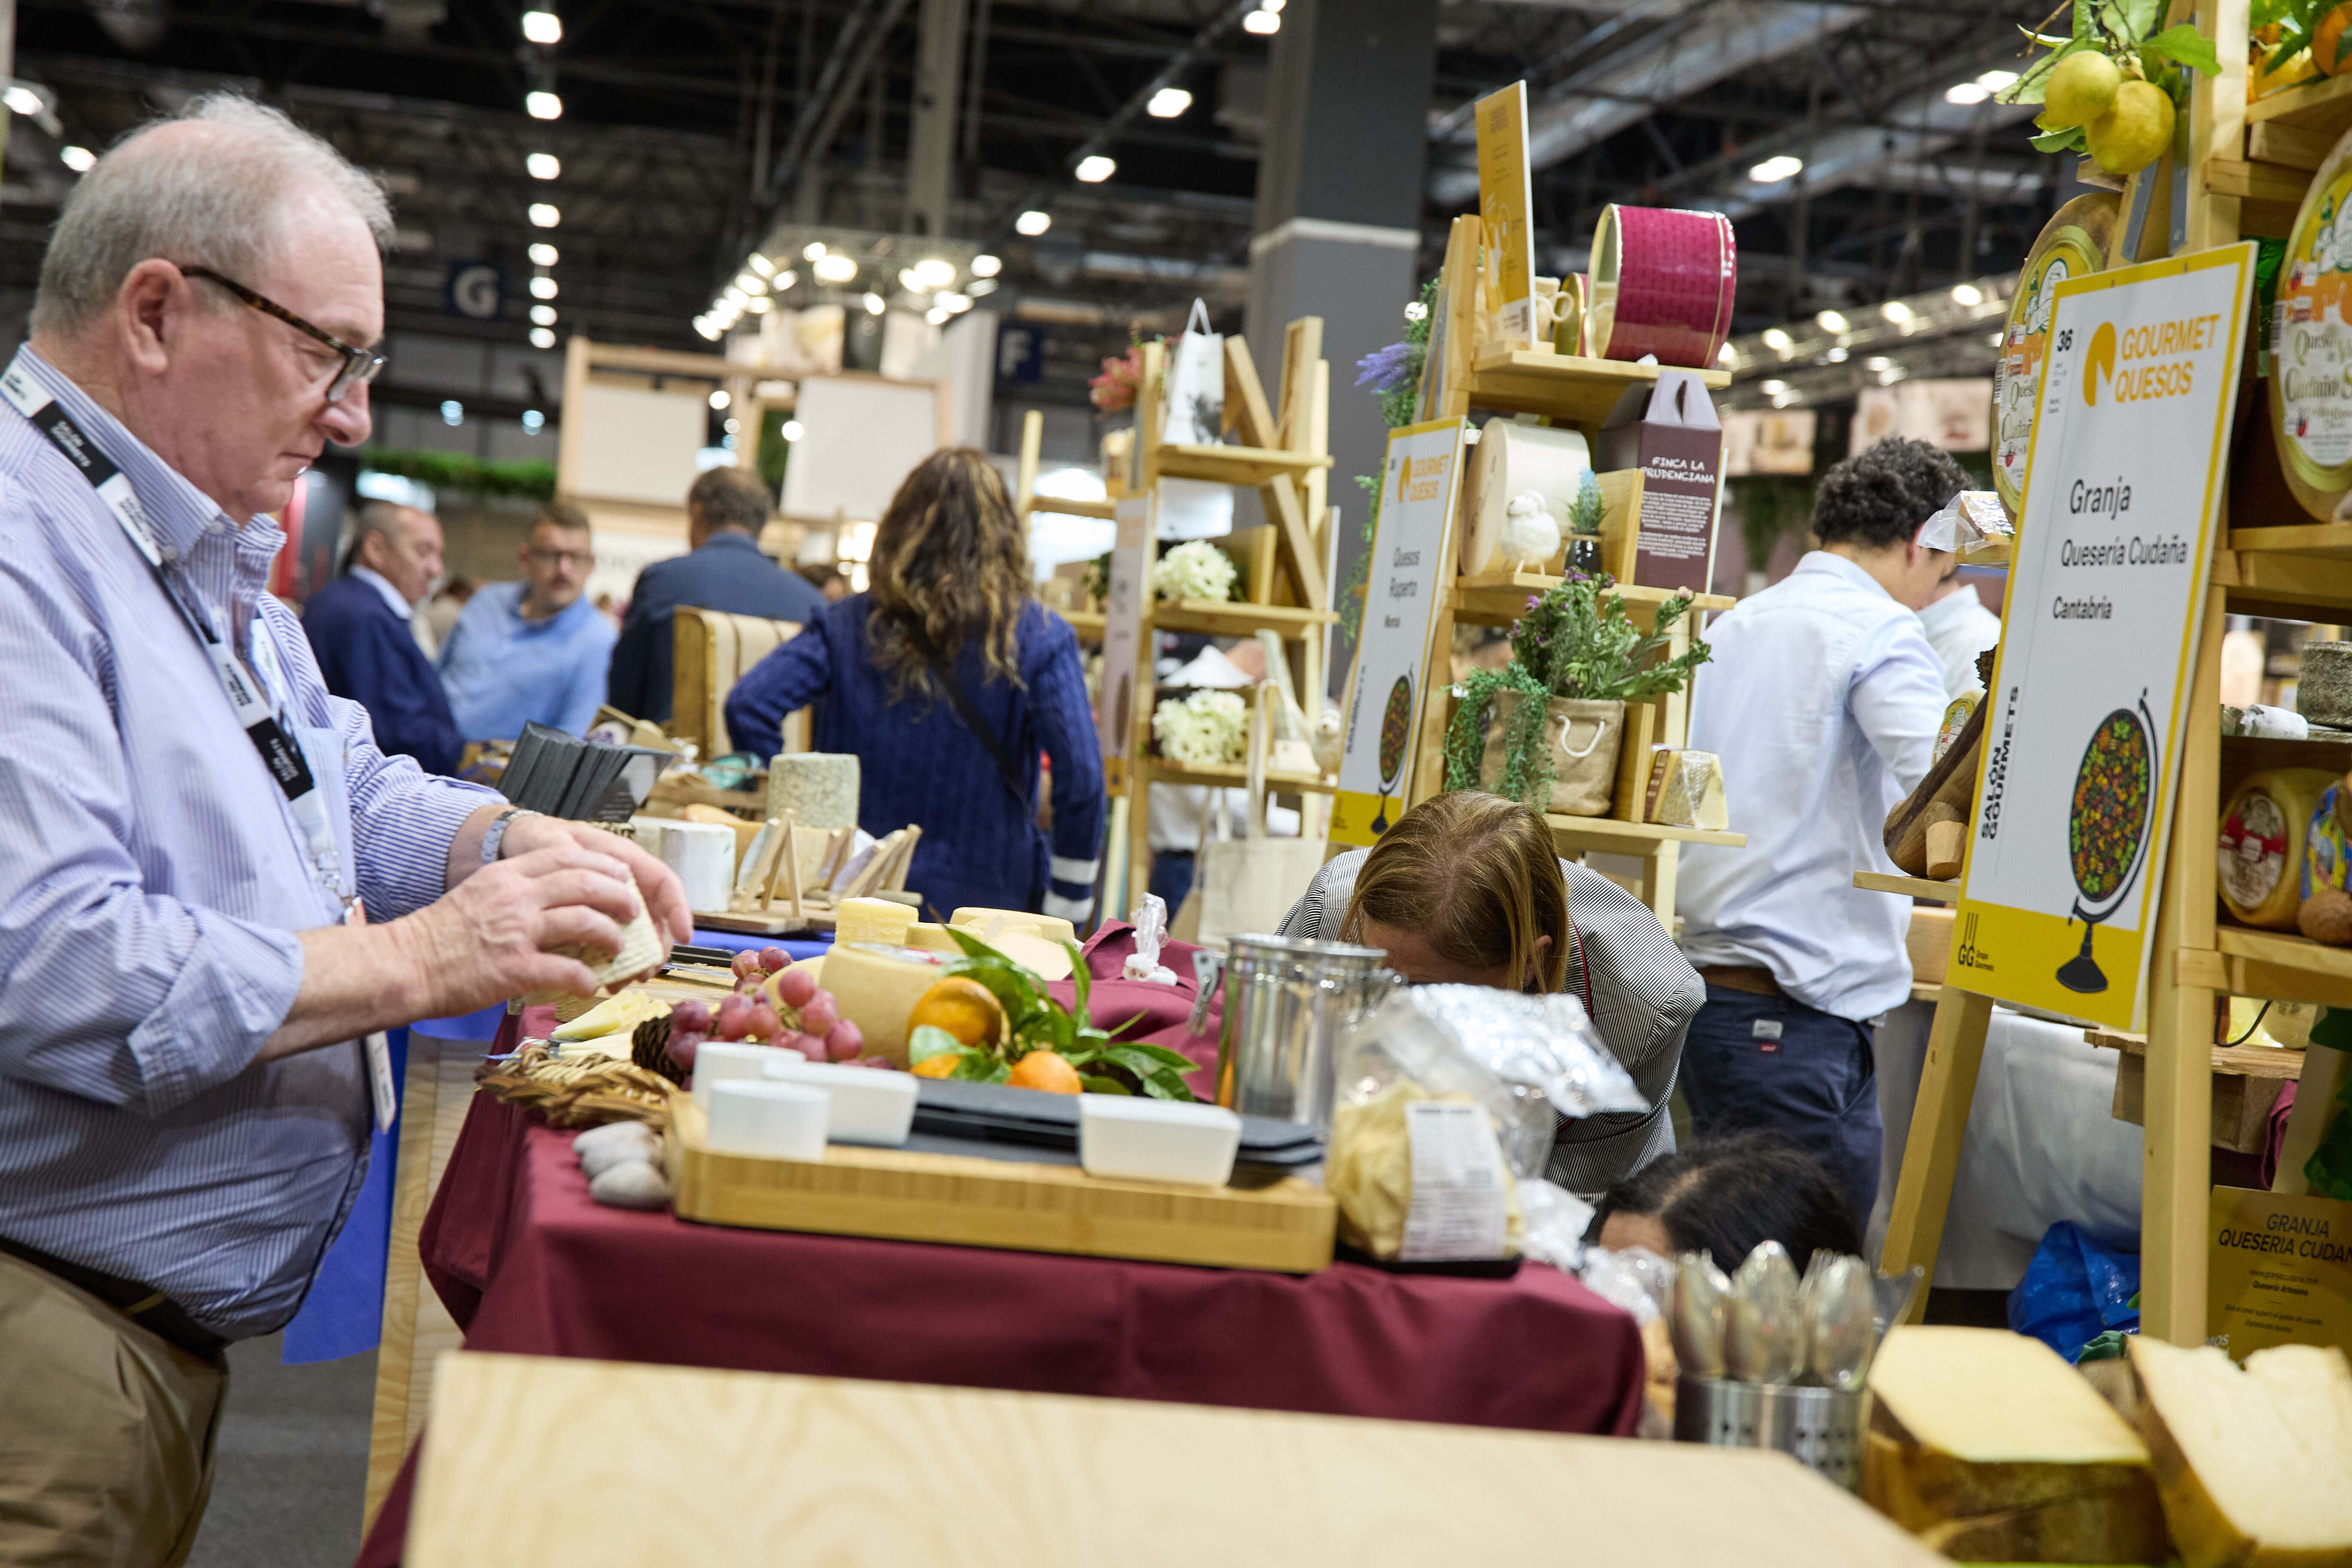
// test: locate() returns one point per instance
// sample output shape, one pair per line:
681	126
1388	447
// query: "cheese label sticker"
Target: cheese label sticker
1458	1212
2017	373
2252	854
2310	385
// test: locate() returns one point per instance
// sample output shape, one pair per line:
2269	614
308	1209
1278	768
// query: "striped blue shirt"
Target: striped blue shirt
152	881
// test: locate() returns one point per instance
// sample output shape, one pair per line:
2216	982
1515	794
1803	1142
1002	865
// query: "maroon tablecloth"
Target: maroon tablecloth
529	1264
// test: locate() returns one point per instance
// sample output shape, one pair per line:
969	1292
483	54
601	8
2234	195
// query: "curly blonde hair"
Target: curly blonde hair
949	564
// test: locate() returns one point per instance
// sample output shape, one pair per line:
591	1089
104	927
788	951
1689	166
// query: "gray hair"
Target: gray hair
208	186
373	517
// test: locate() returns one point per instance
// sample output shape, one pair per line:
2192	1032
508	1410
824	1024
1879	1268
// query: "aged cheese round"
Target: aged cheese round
819	789
2259	862
981	922
2073	244
880	921
878	987
2323	690
2311	345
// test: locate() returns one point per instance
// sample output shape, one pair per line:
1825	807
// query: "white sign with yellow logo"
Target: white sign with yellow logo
2107	593
1412	544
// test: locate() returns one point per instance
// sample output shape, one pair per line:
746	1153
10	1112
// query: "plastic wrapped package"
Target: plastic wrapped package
1555	1220
1447	1093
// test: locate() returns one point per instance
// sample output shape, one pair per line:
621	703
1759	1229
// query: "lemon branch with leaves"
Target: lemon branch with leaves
2114	85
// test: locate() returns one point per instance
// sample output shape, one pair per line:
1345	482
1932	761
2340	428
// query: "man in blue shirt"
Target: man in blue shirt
533	651
724	513
196	826
366	646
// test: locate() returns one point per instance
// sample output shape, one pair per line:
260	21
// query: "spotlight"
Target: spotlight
543	26
543	255
543	166
542	105
1168	103
1032	223
985	266
1094	169
540	338
543	215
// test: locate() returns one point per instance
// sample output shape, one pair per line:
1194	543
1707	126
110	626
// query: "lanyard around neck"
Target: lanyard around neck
255	713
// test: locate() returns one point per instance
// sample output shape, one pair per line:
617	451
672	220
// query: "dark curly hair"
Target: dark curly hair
1881	494
1726	1194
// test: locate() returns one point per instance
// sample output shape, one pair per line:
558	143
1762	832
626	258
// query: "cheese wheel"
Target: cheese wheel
2258	863
2311	330
879	920
879	986
981	922
816	789
931	937
2073	244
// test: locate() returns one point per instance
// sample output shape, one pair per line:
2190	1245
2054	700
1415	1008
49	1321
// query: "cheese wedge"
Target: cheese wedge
1686	790
1987	1439
878	987
613	1020
2254	1465
981	922
882	921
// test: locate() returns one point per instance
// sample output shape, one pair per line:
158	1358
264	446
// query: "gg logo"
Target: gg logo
2099	359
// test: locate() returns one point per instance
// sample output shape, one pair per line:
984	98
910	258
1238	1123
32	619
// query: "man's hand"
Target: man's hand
665	894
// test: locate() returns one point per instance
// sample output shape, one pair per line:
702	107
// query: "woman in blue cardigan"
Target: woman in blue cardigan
945	679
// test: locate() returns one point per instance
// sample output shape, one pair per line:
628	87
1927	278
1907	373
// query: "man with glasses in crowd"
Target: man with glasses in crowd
533	651
215	888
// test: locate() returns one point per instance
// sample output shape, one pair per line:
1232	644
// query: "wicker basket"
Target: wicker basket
578	1091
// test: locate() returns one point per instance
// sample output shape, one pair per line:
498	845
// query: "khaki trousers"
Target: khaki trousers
106	1431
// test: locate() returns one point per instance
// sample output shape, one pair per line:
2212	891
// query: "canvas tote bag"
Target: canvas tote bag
1249	884
1193	410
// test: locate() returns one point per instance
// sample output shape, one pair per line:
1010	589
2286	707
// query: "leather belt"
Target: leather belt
151	1309
1756	982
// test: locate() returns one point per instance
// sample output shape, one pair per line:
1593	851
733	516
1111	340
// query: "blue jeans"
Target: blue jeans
1171	876
1771	1063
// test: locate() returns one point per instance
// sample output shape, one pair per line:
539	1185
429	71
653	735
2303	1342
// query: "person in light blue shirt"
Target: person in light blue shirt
185	1096
533	651
1822	701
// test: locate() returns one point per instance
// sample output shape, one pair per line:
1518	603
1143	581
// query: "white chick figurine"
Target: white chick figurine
1530	533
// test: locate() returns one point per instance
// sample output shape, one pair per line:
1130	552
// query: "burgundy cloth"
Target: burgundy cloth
528	1264
1142	1010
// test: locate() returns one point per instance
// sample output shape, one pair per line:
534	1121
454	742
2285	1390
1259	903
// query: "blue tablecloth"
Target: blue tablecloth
737	941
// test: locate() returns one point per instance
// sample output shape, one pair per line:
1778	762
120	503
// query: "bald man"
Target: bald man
359	629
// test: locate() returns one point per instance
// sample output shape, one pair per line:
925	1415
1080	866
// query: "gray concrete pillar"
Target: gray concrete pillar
1339	206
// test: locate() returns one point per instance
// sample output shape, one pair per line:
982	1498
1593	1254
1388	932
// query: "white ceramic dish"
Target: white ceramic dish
1157	1140
775	1120
869	1105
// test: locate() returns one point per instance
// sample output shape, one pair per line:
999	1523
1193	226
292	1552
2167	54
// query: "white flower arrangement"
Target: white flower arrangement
1195	570
1207	729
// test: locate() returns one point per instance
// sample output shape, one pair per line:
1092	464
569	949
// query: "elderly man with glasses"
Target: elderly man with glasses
215	890
533	651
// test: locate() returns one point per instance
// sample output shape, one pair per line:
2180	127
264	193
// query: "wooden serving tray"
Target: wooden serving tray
781	921
1284	1226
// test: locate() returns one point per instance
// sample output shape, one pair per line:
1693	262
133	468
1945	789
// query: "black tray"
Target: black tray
996	1112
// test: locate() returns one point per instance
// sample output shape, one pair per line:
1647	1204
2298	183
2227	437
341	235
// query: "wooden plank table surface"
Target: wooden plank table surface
585	1464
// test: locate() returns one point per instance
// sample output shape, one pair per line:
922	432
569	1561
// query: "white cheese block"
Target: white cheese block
981	922
931	937
872	919
878	987
816	789
1987	1394
2254	1465
1686	790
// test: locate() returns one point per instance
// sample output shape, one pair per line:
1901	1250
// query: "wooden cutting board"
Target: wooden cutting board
1284	1225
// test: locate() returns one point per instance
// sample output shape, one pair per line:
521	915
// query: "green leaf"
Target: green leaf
1159	1054
2141	17
979	1068
1081	983
927	1041
1165	1085
1104	1086
2185	45
2069	140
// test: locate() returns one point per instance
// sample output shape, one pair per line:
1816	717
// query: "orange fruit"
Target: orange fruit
2328	37
963	1008
941	1065
1046	1071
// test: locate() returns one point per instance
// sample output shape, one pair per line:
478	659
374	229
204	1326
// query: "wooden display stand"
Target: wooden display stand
2278	563
1087	623
1569	391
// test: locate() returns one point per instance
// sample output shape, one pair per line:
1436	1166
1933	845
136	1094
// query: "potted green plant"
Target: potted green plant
1546	728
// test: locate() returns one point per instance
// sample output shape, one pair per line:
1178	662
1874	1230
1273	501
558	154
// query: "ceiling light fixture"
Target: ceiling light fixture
835	269
453	413
936	316
543	315
933	273
1876	362
542	28
1966	93
78	159
1094	169
720	399
1168	103
812	251
707	328
543	215
783	281
954	304
1836	355
1776	386
982	286
1997	81
759	305
876	305
1264	24
750	283
1032	223
1778	340
542	105
761	265
791	430
542	288
1967	294
543	166
1831	321
20	98
1897	311
540	338
1775	169
543	255
986	265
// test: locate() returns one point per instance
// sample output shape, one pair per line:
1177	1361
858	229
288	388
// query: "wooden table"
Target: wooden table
588	1464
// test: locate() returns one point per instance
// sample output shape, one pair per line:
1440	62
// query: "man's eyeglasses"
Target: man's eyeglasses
583	558
360	365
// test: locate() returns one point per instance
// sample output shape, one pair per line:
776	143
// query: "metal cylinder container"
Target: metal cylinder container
1287	1004
1823	1429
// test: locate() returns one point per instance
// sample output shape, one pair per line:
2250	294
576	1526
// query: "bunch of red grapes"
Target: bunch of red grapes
774	1004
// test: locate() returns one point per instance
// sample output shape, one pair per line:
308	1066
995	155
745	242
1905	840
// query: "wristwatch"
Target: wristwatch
495	838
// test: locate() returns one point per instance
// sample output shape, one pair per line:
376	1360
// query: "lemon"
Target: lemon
2081	89
2129	137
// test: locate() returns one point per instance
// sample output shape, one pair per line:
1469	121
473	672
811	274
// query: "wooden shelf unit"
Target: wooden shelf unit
1569	390
1908	886
2289	565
